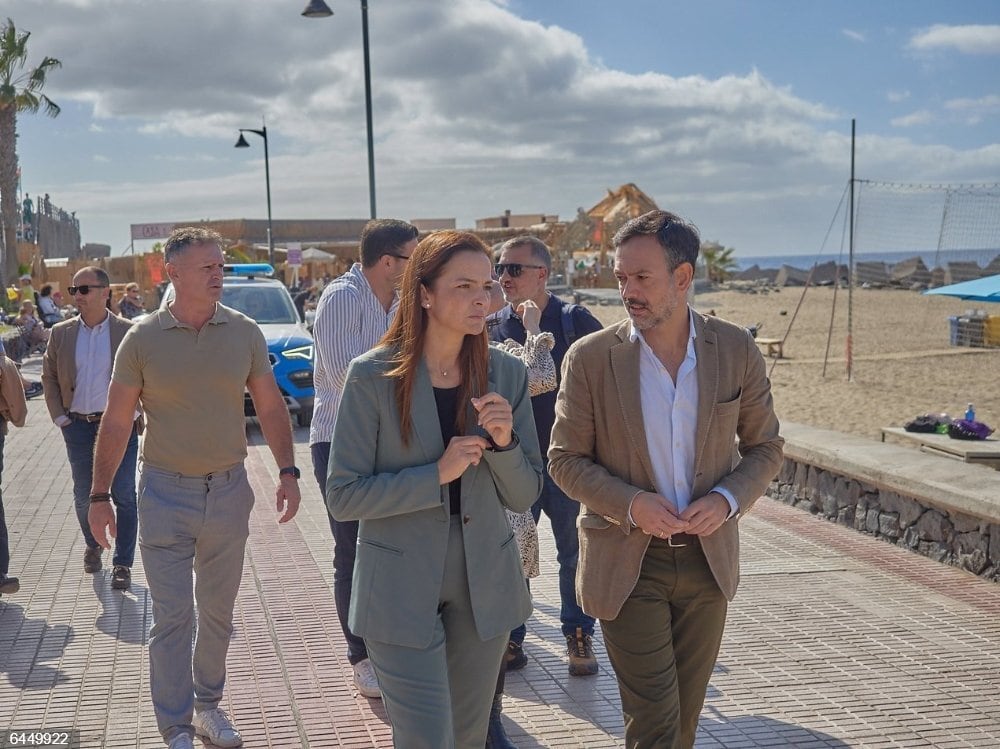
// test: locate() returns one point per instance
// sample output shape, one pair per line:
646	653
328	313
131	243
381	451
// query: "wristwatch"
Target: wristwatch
292	471
514	442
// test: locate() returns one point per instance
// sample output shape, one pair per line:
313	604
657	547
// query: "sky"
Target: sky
732	114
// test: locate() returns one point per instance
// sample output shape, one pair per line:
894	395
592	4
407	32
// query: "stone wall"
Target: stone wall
945	535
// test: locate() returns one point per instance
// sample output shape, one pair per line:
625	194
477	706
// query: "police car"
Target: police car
252	289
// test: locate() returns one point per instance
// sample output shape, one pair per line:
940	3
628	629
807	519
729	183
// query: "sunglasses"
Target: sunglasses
401	257
84	288
513	269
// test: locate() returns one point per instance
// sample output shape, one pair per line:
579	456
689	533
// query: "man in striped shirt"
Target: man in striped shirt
353	314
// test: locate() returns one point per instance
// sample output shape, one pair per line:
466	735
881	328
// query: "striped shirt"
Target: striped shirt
350	320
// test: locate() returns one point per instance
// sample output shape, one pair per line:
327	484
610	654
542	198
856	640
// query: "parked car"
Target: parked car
252	289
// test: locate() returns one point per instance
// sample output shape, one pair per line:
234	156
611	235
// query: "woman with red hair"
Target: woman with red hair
434	440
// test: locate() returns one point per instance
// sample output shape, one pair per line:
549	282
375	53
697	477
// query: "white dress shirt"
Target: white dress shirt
350	320
670	417
93	367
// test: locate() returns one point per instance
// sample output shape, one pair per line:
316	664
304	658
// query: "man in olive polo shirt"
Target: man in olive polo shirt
189	365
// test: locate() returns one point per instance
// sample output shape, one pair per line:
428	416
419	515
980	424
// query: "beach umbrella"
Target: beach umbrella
313	254
978	290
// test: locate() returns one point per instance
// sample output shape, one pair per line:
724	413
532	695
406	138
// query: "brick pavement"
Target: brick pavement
836	639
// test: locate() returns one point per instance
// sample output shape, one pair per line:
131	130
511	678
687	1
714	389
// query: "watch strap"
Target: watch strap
290	471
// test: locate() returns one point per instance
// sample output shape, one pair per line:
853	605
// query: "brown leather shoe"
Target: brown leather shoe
92	560
9	585
581	654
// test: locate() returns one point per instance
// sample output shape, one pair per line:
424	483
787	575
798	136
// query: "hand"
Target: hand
287	498
530	316
459	455
496	417
706	514
101	518
656	515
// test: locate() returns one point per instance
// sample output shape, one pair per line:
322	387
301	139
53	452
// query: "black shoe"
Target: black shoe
121	577
32	390
514	658
581	654
92	560
9	585
496	736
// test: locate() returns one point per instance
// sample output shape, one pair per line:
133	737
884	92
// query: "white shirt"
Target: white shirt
93	367
350	320
670	417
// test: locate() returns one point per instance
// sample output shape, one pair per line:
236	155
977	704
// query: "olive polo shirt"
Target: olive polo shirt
192	385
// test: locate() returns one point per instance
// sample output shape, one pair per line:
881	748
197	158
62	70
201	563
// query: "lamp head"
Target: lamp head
242	142
317	9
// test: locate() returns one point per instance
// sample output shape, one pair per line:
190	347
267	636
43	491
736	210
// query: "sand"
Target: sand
904	364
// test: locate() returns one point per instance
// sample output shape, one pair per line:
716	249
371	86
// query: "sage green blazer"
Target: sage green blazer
393	489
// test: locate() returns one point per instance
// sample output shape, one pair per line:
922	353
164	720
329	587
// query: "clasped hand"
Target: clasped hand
496	418
657	516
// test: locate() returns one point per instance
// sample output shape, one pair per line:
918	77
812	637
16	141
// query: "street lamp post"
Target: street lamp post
319	9
242	143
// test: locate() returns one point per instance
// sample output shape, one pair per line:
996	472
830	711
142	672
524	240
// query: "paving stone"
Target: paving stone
836	639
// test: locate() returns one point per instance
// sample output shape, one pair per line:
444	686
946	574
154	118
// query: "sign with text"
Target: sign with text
151	231
294	254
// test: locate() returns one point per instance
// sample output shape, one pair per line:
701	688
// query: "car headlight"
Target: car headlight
300	352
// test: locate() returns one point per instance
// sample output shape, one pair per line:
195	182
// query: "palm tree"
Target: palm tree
719	261
20	91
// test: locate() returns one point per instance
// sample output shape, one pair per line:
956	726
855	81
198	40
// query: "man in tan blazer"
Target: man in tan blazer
645	437
76	372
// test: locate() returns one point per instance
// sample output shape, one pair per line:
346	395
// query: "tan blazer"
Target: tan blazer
59	364
599	455
13	406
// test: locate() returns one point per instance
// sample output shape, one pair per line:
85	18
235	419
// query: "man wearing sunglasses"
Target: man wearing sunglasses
353	314
523	271
76	373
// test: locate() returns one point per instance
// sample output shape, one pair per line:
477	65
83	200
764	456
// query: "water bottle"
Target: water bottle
970	413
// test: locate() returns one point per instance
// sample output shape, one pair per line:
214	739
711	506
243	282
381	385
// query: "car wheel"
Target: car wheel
304	417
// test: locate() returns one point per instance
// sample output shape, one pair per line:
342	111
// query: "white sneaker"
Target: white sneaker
216	726
365	679
181	741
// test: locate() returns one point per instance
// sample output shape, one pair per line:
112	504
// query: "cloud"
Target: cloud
857	36
475	110
970	39
920	117
983	104
974	111
897	96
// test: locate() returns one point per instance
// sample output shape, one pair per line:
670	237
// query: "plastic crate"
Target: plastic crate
970	331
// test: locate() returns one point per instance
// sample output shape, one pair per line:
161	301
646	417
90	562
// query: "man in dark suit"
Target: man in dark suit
76	373
646	426
523	271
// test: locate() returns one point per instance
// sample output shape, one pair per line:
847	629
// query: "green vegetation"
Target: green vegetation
20	91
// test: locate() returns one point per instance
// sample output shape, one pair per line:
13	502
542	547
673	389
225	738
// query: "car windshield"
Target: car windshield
264	303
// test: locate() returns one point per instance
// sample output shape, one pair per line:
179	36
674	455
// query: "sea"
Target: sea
931	258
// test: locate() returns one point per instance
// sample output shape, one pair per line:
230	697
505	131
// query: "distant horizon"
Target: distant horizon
804	261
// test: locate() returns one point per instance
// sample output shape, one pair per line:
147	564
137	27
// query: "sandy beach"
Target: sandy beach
904	364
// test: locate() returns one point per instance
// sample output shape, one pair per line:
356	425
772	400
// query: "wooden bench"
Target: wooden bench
773	346
985	452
